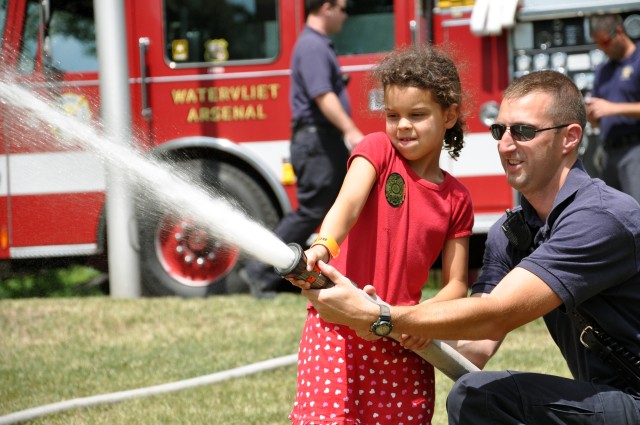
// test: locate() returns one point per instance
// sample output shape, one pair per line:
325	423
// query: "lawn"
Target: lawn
56	349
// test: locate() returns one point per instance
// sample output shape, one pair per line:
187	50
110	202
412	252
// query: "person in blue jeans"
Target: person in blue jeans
323	134
614	104
570	254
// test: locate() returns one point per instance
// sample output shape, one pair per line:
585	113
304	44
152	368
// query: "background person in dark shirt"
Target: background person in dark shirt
323	134
614	105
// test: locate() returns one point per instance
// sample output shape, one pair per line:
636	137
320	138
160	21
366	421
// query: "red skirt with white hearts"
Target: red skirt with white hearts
343	379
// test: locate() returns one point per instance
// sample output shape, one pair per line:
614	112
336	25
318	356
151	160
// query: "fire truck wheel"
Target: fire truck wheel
180	258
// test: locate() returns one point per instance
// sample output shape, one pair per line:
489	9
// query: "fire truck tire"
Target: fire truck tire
159	277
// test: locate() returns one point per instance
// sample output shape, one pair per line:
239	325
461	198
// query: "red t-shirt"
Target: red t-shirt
393	247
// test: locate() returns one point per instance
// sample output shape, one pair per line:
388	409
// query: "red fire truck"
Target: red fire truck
209	90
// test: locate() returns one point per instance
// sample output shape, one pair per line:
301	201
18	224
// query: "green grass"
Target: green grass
62	348
57	349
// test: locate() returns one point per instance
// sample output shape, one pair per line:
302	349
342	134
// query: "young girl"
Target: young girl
400	210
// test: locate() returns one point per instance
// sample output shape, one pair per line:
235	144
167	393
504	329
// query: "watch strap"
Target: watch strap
385	312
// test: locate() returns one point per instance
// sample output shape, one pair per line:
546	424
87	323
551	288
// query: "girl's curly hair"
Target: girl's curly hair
429	68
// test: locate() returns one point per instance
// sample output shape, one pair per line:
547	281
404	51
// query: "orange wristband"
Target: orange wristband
329	243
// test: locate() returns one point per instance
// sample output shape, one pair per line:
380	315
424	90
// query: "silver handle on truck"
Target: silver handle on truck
143	44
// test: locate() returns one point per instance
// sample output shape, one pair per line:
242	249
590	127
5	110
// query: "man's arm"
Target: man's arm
518	299
477	352
598	108
331	107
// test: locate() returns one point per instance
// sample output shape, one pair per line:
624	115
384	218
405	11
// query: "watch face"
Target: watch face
382	328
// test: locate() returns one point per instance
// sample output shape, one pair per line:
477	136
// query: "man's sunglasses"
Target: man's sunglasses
605	42
342	9
519	132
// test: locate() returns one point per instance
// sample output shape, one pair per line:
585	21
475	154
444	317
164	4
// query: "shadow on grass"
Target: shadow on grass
40	279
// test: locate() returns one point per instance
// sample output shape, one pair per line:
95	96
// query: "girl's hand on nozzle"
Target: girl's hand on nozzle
315	254
312	255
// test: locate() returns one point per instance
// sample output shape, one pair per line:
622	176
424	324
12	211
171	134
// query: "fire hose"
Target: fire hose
48	409
441	355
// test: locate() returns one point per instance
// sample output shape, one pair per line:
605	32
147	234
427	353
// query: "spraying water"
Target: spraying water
170	188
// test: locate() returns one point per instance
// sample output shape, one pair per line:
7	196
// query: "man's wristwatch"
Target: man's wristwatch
383	326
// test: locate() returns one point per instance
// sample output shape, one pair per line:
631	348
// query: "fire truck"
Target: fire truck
209	88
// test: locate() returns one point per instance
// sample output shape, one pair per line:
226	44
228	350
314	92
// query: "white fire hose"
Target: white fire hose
438	353
48	409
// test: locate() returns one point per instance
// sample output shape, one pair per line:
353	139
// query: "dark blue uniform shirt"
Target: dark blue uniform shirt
314	71
619	82
588	252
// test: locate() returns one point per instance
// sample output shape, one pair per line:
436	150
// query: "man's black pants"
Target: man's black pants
319	158
528	398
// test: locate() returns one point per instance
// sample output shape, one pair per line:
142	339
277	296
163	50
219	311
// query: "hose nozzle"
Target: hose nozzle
298	270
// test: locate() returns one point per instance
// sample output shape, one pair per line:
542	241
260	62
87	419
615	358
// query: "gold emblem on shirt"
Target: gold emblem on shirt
627	72
394	190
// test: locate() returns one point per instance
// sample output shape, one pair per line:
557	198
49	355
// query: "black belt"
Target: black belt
301	125
609	350
617	142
